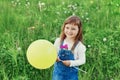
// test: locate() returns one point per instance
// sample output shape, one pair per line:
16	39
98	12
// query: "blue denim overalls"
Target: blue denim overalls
62	72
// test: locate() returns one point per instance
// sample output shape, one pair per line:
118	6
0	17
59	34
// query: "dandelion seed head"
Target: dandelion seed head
19	3
42	4
65	12
91	2
82	16
63	2
28	3
104	39
117	5
69	6
111	2
17	0
89	46
12	2
19	48
73	14
86	13
58	13
87	19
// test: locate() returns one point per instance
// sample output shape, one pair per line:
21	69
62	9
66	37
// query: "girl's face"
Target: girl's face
71	31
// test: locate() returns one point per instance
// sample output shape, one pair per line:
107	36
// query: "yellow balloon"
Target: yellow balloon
41	54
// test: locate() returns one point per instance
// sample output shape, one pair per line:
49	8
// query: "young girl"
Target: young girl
71	50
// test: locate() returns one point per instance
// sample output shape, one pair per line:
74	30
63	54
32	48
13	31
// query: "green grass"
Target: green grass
23	21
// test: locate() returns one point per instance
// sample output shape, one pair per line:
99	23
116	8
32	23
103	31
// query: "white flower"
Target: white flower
87	19
28	3
58	13
41	5
70	6
117	5
17	0
89	46
12	2
82	16
63	3
86	13
19	48
73	14
65	12
19	3
91	2
104	39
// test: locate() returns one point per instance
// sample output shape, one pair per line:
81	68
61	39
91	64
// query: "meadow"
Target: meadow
24	21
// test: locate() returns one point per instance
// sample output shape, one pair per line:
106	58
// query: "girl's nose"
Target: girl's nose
69	30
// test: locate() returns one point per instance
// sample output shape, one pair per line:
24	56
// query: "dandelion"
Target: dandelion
75	4
27	4
87	19
73	14
69	6
104	39
89	46
41	5
68	11
72	7
91	2
12	2
111	3
63	3
58	13
86	13
31	28
17	0
19	3
82	16
117	5
65	12
112	79
19	49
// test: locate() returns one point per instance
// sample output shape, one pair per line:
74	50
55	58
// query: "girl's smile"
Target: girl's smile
71	31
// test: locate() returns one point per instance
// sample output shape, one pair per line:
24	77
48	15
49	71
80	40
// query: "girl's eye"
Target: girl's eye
67	27
73	29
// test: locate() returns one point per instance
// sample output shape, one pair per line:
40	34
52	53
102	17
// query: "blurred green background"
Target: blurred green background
24	21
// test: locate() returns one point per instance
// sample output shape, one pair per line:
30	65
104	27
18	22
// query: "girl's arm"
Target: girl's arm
57	44
81	56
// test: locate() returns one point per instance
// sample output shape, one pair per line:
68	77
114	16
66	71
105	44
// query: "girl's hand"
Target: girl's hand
58	59
66	62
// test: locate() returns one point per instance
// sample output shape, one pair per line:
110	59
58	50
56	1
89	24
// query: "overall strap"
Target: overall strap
74	45
61	43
